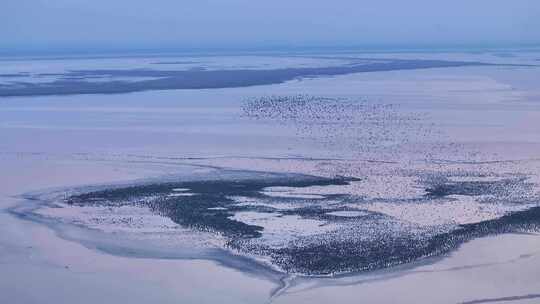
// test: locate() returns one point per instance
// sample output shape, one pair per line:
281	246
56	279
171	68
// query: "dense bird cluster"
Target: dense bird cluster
355	125
277	218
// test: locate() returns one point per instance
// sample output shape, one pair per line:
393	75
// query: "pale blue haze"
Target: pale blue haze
57	25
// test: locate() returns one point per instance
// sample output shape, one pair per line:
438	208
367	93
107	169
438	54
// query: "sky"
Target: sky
94	25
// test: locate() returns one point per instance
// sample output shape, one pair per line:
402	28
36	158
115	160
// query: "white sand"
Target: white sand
347	213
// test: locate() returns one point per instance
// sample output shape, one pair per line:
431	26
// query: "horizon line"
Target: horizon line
260	50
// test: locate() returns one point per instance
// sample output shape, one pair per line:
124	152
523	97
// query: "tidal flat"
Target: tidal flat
328	186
